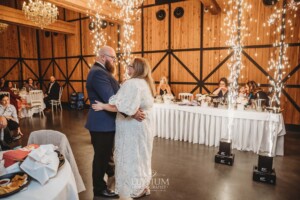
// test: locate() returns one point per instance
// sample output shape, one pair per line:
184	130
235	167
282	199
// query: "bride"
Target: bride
133	139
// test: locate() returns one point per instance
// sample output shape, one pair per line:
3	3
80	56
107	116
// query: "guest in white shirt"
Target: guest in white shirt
10	113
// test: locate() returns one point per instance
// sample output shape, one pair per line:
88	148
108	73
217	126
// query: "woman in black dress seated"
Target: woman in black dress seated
255	92
221	91
163	87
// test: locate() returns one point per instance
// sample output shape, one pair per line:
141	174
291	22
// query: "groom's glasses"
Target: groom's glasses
112	57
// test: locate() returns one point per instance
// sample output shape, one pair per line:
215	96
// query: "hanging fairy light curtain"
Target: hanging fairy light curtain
97	25
279	61
129	13
236	30
40	12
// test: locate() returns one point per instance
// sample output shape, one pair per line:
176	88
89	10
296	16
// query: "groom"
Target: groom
101	85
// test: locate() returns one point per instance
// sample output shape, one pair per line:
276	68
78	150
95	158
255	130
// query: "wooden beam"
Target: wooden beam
212	6
222	4
15	16
81	6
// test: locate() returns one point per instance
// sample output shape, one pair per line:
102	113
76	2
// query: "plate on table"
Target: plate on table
61	159
13	183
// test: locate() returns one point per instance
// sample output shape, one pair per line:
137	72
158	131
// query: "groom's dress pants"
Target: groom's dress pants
103	143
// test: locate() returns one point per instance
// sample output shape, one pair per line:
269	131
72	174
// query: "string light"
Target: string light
129	12
99	36
236	31
278	60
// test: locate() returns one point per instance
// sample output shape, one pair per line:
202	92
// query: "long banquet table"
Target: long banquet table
251	130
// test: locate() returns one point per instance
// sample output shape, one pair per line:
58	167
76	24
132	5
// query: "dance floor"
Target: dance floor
181	170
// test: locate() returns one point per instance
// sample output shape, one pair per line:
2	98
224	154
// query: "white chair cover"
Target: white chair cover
58	139
36	100
57	102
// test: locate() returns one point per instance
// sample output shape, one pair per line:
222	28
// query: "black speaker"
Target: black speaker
103	24
160	15
47	33
265	163
91	26
270	2
178	12
225	147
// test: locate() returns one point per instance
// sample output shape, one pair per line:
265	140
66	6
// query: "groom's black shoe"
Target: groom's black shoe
107	193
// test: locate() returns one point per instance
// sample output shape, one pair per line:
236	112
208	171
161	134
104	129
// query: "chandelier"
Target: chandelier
3	27
40	12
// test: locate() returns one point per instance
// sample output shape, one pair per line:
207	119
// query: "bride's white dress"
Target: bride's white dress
133	139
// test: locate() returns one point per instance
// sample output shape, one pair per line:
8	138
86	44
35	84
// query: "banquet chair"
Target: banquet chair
186	96
57	102
6	93
58	139
36	101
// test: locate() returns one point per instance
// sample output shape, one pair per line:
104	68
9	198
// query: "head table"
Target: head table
249	130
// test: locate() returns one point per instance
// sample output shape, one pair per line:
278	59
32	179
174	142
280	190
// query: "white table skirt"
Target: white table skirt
60	187
251	131
24	111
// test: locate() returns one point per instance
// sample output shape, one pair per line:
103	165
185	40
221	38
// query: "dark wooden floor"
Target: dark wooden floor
184	171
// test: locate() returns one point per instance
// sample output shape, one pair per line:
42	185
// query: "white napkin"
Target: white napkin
41	163
13	168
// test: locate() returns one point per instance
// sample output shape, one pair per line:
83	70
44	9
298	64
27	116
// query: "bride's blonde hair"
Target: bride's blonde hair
142	69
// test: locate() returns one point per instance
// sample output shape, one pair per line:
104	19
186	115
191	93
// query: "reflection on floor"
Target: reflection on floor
183	171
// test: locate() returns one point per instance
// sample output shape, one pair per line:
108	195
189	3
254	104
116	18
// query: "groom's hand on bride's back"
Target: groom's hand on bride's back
139	115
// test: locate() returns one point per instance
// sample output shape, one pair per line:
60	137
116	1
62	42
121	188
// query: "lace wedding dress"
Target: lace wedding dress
133	139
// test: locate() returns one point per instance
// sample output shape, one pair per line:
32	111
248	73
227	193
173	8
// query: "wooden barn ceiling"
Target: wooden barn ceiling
81	6
212	5
12	15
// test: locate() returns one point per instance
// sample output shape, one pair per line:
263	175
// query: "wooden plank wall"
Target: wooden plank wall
189	51
196	41
27	52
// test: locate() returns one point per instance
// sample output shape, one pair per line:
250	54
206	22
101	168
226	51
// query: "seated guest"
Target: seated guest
2	81
221	91
251	86
30	85
242	91
163	87
260	94
9	112
255	92
52	92
13	97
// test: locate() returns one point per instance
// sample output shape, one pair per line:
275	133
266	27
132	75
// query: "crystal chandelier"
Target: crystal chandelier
3	27
40	12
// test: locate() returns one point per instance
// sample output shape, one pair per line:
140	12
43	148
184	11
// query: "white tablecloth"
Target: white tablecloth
61	187
251	130
25	112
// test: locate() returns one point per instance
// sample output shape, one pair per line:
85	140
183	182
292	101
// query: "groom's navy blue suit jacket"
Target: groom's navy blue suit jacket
100	85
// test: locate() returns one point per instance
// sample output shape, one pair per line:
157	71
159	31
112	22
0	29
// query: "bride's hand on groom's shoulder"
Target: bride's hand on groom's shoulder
98	106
